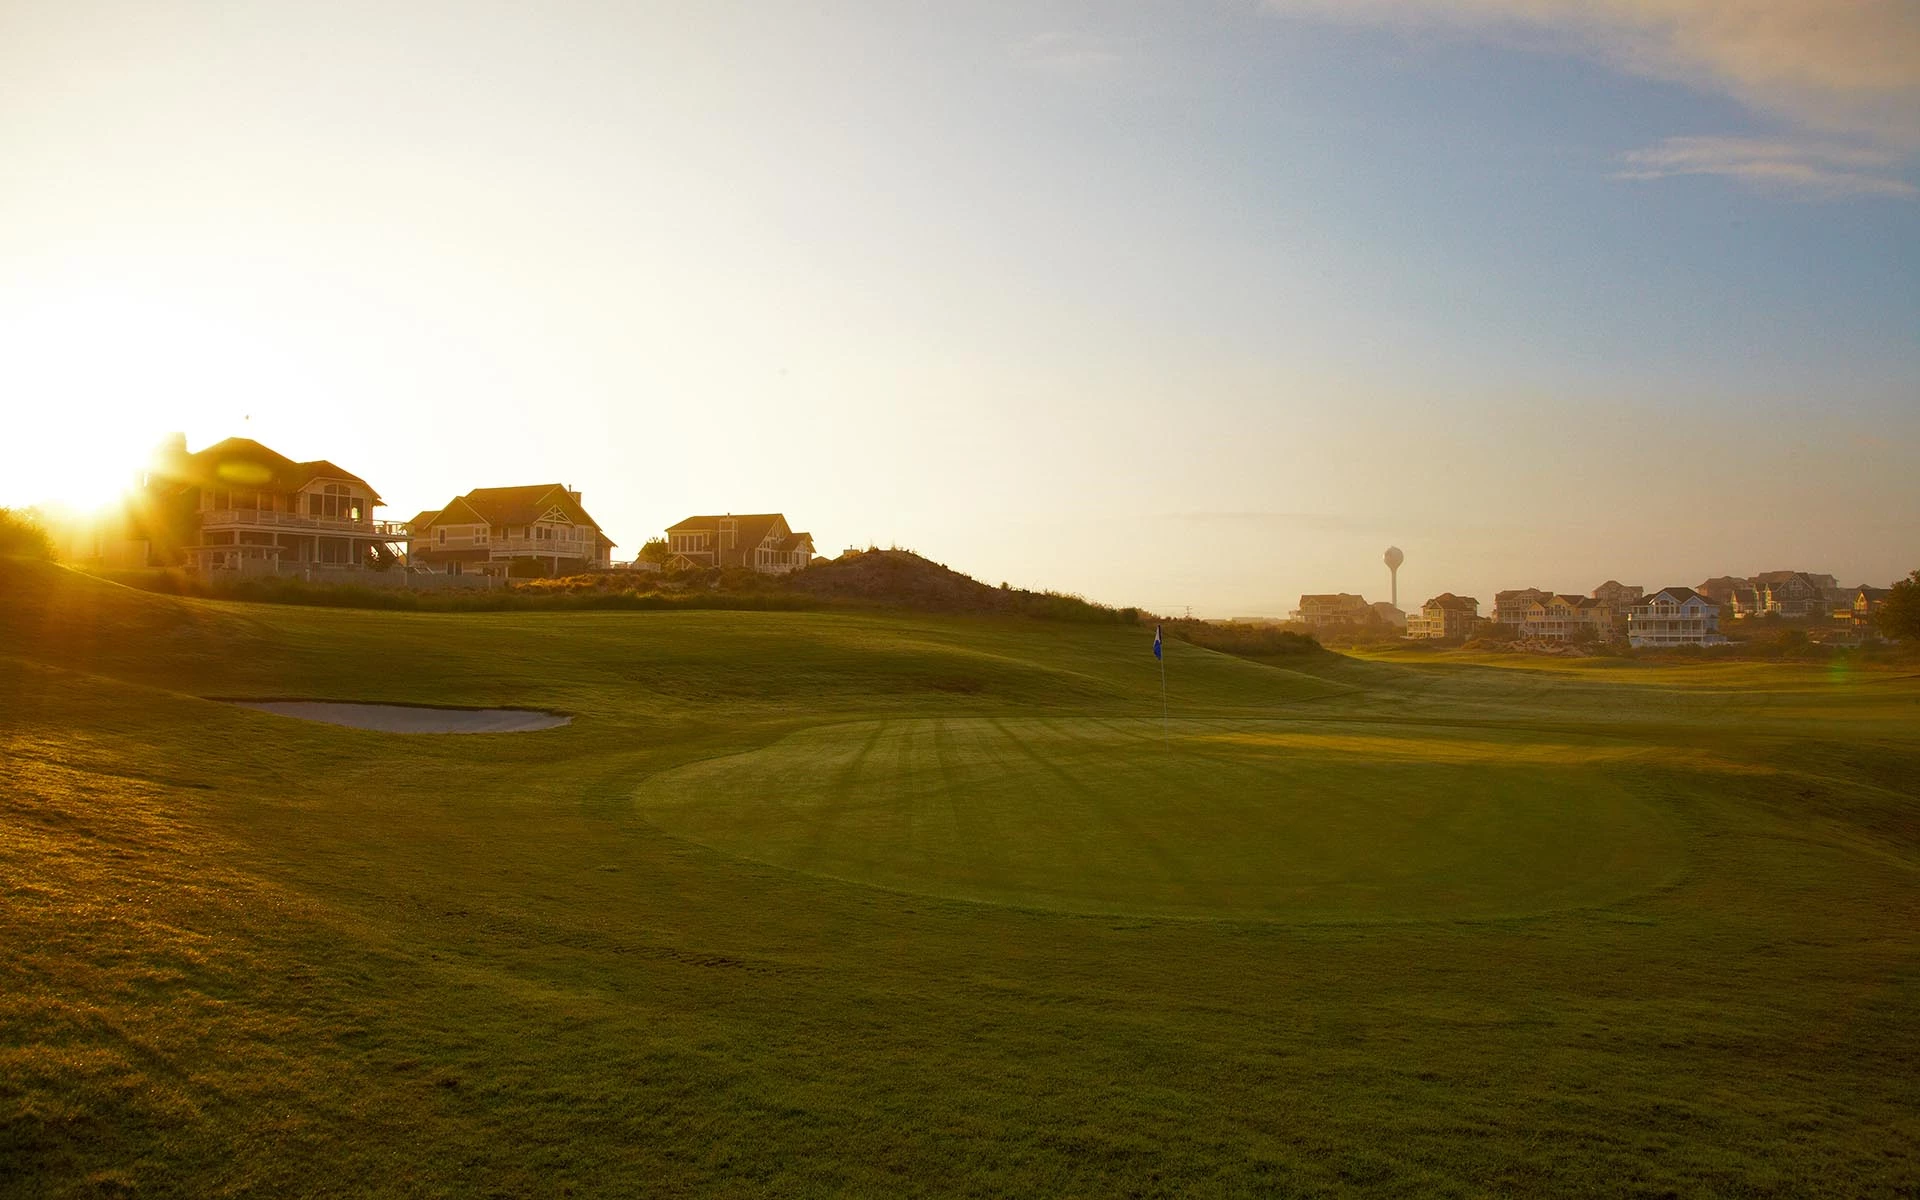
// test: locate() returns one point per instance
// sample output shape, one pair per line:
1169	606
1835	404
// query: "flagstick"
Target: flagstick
1165	737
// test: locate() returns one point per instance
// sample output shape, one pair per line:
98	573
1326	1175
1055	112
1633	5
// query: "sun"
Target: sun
72	466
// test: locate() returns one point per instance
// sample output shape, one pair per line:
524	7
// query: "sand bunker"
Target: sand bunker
412	718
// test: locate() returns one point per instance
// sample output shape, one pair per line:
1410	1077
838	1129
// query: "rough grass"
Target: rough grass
245	955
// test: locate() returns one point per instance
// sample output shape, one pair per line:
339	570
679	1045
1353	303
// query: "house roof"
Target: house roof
320	468
239	462
522	505
705	523
1679	594
1343	598
1448	600
750	529
423	519
1569	600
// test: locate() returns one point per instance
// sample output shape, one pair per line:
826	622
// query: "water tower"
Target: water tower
1393	560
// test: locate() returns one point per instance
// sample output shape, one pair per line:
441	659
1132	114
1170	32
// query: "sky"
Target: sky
1191	305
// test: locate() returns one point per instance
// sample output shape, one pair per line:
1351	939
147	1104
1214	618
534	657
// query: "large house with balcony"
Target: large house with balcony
1566	618
1675	616
1618	599
238	505
1510	607
1857	606
761	542
1445	616
540	529
1795	593
1333	610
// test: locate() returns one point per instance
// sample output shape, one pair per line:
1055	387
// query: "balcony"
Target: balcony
548	547
260	518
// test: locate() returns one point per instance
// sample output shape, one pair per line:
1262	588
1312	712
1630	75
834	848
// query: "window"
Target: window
439	537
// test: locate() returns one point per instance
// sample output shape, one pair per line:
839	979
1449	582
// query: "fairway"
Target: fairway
884	904
1230	818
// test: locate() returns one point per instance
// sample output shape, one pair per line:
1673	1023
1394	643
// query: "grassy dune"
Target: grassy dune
817	904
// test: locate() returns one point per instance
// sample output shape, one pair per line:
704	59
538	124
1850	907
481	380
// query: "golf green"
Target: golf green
1228	818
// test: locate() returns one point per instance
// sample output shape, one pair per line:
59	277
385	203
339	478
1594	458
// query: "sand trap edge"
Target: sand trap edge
404	718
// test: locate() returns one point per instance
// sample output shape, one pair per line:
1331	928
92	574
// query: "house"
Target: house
1510	607
1566	618
539	529
1335	610
1675	616
1445	616
1386	614
762	542
241	506
1858	605
1721	588
1617	598
1793	593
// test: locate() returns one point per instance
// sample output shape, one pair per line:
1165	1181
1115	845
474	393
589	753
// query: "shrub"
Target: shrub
22	535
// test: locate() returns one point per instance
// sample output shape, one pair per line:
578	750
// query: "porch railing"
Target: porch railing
260	518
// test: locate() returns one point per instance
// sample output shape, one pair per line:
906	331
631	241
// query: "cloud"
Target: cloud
1067	54
1841	66
1821	170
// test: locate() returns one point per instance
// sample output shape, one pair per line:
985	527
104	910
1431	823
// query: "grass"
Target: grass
1234	817
825	903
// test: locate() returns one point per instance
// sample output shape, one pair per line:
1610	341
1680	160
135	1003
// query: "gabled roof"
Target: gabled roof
1679	595
320	468
750	529
1567	600
423	519
703	524
459	512
239	462
1447	600
523	505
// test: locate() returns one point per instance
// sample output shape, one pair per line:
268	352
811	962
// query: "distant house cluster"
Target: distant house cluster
1613	611
240	506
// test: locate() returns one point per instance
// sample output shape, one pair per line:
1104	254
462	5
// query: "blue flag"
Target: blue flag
1156	641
